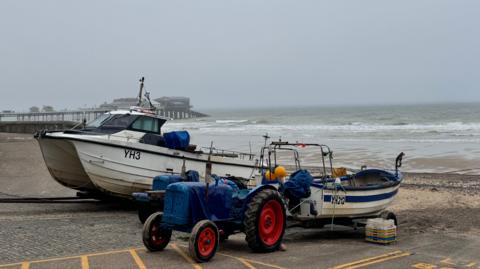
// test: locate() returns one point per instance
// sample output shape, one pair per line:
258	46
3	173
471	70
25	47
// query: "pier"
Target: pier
88	115
30	122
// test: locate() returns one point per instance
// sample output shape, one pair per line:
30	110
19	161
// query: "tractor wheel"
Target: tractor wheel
204	241
144	212
389	215
155	237
265	221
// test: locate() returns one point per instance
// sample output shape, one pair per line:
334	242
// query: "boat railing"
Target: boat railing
229	153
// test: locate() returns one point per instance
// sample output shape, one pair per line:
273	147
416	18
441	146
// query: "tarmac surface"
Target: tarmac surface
105	235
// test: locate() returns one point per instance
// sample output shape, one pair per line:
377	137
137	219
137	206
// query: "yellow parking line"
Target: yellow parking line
251	261
246	263
85	264
373	260
68	257
472	264
185	256
381	260
346	265
25	265
137	259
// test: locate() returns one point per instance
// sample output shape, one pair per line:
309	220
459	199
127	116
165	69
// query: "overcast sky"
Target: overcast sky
239	53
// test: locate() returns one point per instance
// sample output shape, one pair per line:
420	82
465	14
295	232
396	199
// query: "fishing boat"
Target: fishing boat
322	195
121	152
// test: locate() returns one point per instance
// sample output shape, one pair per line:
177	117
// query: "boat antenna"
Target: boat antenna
139	103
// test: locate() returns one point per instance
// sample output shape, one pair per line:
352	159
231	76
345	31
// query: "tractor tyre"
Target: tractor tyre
204	241
265	221
144	211
155	237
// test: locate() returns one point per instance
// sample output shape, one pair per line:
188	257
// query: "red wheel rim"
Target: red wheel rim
271	223
206	241
156	235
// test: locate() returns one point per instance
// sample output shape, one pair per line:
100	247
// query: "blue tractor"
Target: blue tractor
212	212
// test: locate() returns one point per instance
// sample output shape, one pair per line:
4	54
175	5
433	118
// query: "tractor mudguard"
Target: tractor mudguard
242	202
259	189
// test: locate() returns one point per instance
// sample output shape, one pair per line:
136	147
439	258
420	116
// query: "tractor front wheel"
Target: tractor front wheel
155	237
265	221
204	241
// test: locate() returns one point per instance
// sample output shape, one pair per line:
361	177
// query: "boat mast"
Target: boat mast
139	103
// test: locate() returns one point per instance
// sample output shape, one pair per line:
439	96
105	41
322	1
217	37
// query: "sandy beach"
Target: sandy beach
427	202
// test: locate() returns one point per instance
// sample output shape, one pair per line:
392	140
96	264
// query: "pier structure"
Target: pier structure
71	116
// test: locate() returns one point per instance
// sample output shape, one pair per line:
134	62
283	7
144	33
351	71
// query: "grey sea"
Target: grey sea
434	137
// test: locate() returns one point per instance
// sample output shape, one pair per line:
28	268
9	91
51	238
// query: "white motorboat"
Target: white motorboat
121	151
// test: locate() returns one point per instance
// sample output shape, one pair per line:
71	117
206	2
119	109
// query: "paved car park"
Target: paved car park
109	236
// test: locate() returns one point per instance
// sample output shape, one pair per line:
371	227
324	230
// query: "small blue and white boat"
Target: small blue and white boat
331	197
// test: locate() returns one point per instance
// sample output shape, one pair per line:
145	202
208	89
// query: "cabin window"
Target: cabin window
146	124
119	121
98	121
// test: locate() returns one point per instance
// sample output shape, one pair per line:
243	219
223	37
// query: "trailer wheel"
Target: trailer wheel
265	221
389	215
155	237
204	241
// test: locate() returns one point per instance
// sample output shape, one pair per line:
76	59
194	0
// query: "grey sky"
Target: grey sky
239	53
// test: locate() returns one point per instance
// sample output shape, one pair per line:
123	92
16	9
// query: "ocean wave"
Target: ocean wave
220	126
231	121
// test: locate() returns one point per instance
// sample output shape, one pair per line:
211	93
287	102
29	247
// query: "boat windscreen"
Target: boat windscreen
119	121
98	121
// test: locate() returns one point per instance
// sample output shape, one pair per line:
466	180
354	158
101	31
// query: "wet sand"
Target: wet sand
427	202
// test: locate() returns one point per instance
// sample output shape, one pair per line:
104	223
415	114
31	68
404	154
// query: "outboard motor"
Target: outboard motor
398	162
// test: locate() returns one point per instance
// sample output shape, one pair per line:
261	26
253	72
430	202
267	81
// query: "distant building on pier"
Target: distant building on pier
120	103
177	107
174	103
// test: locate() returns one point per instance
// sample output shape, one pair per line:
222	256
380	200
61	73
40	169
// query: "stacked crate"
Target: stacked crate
381	231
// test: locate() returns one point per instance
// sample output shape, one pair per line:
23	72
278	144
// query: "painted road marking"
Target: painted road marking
243	260
137	259
185	256
85	264
447	261
68	257
246	263
372	260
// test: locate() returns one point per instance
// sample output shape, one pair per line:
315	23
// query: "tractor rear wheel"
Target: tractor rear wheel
204	241
155	237
265	221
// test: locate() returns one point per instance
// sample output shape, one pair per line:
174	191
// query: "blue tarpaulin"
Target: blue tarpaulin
177	139
298	185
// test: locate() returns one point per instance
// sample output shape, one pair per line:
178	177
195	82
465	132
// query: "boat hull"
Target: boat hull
64	165
123	168
349	204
